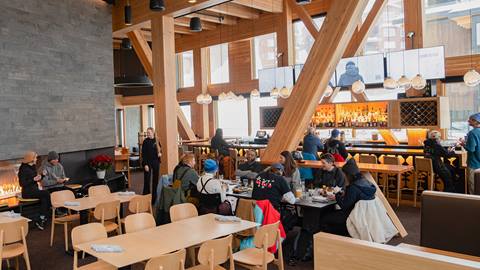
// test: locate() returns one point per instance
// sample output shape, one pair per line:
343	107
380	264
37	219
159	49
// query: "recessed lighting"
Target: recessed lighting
192	1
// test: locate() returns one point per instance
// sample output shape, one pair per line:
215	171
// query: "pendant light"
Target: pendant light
284	92
231	95
255	93
471	78
418	82
128	14
195	24
239	98
404	81
358	87
157	5
328	92
275	92
222	96
389	83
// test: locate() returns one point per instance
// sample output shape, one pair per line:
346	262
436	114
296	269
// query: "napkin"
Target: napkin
106	248
126	193
71	203
228	219
11	214
336	189
319	199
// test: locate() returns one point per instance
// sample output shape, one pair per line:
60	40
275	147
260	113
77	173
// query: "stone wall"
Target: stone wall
56	76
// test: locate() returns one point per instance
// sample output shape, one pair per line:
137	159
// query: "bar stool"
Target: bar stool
388	160
371	159
423	166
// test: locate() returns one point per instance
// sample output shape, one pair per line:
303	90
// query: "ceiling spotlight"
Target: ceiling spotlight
128	14
126	44
157	5
195	24
303	2
418	82
358	87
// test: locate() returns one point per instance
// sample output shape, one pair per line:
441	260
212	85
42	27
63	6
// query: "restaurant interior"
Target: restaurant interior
240	134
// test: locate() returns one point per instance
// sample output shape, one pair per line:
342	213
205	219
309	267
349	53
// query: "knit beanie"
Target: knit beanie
335	133
52	155
210	165
475	116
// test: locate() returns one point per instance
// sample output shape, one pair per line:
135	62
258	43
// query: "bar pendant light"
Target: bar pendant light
128	14
157	5
195	24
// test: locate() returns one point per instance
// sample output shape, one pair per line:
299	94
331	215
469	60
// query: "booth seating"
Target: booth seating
477	184
333	252
449	221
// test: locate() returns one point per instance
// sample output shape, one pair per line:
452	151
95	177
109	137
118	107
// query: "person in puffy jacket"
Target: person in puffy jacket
435	151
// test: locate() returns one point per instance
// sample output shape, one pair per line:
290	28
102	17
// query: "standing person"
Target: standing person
312	143
291	172
335	147
54	173
151	163
435	151
219	144
472	145
29	179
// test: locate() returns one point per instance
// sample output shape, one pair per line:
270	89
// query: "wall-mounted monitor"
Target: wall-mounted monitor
368	69
429	62
275	77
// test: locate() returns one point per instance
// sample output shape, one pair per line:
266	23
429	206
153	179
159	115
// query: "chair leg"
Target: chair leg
399	192
17	263
280	256
415	188
191	255
27	259
65	229
52	231
8	263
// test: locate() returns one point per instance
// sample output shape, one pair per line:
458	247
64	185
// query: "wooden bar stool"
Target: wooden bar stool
172	261
13	242
139	222
108	213
213	253
58	200
423	166
389	160
88	233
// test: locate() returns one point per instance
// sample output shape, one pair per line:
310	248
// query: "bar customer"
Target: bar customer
472	145
312	143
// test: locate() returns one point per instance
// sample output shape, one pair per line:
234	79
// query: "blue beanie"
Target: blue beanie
335	133
210	165
475	116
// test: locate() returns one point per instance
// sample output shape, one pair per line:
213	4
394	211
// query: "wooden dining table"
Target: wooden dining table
147	244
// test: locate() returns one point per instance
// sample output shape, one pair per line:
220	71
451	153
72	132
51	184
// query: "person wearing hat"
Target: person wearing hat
29	178
53	173
435	151
329	175
472	145
212	194
270	185
334	146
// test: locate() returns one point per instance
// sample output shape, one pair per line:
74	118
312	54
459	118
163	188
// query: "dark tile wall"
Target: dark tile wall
56	76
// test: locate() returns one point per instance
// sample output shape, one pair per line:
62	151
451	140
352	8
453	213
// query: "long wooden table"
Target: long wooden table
147	244
440	252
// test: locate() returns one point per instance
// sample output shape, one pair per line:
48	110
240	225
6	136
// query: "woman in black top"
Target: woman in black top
219	144
29	178
151	162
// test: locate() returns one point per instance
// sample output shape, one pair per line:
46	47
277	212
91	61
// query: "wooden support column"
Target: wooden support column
164	90
200	112
325	54
285	46
413	10
305	17
144	117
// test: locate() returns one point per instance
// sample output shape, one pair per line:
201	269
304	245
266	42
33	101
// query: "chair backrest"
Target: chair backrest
220	249
270	231
58	198
333	252
107	210
12	231
367	159
449	221
423	164
183	211
140	204
99	190
87	233
172	261
391	160
139	222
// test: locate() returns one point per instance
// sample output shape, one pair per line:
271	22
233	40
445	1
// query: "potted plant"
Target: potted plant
101	164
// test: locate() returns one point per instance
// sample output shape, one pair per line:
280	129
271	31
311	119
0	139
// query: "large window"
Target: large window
132	119
387	34
186	109
448	23
463	101
303	41
265	51
255	110
186	74
233	117
219	71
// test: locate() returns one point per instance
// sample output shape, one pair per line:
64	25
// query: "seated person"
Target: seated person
306	174
184	174
270	185
211	191
29	178
219	144
435	151
291	172
53	173
251	167
329	175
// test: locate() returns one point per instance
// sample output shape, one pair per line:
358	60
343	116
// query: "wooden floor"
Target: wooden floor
43	257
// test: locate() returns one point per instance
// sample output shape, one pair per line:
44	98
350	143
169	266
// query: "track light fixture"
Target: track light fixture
128	14
157	5
195	24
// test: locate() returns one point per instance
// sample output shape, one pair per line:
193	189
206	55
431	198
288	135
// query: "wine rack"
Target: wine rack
269	116
419	113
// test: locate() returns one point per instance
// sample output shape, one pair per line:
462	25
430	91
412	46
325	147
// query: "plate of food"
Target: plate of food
241	189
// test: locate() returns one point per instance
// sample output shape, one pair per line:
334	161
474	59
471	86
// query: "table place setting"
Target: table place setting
100	248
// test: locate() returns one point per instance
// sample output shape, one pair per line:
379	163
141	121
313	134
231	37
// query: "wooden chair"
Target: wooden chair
213	253
172	261
370	159
140	204
84	234
259	256
422	166
58	200
389	160
13	242
139	222
108	213
99	190
182	211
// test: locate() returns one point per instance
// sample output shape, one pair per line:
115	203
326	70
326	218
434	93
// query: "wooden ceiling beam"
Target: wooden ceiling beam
236	10
324	56
272	6
218	19
305	17
183	21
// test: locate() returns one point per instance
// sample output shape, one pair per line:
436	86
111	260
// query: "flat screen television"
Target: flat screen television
369	69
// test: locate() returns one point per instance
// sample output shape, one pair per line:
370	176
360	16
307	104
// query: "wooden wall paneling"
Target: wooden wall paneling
304	16
285	46
325	54
263	5
144	117
164	90
413	22
236	10
459	65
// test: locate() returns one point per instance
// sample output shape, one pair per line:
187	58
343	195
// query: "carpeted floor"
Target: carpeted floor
42	256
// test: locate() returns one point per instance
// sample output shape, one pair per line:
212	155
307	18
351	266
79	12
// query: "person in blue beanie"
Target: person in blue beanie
212	194
472	145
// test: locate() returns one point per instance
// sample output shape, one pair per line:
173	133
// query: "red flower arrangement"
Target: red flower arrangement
101	163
